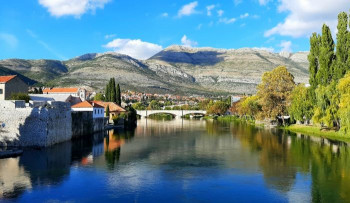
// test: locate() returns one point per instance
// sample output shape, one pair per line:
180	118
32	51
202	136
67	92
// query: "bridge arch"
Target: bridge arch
176	113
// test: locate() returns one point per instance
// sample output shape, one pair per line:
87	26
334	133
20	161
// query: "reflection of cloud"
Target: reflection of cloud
13	176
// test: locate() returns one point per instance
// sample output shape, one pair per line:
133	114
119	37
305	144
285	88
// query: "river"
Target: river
182	161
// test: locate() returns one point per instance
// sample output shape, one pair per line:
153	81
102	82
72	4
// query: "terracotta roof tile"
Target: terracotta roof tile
5	79
86	104
60	90
113	107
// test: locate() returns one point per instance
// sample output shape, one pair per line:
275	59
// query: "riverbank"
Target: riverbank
304	129
316	131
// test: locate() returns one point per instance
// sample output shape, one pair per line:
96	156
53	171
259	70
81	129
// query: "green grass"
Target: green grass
316	131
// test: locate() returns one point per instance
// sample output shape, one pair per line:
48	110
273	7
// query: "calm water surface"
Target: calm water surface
182	161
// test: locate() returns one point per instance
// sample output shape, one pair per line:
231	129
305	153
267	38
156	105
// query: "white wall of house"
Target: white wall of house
97	112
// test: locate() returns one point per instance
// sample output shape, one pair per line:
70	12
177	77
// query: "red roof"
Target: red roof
5	79
61	90
86	104
113	107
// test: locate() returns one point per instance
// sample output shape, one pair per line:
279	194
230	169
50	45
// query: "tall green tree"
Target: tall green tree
325	73
118	95
113	91
313	57
326	111
340	65
301	108
108	92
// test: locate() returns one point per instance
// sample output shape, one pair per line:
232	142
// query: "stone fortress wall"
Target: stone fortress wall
37	125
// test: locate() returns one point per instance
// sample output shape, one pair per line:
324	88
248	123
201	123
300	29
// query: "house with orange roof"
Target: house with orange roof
114	108
11	84
72	91
97	110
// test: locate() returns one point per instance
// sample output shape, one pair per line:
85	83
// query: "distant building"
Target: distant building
98	111
75	92
114	109
56	97
11	84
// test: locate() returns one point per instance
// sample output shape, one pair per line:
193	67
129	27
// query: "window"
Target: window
1	91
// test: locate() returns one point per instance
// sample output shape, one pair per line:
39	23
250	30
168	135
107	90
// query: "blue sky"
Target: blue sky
62	29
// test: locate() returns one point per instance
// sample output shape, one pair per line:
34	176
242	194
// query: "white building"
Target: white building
86	106
75	92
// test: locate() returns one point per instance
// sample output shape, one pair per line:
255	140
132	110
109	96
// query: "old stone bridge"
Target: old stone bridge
175	113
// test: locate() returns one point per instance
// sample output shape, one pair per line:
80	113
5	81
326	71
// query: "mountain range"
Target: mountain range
176	69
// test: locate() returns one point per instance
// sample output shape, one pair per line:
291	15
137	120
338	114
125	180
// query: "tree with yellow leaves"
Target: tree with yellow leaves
274	92
344	108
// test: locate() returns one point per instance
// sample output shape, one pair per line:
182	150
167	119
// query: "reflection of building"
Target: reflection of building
11	84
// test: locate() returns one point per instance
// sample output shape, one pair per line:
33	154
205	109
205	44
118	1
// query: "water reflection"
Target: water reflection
186	157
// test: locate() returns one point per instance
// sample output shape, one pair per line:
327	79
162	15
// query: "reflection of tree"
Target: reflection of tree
113	142
282	154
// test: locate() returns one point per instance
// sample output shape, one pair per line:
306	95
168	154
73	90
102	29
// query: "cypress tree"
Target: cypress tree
313	58
113	91
340	65
107	92
325	73
107	111
118	95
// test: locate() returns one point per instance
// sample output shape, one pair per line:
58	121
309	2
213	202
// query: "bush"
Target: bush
20	96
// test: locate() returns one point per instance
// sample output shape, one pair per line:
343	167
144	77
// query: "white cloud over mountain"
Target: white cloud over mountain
75	8
134	47
307	16
187	42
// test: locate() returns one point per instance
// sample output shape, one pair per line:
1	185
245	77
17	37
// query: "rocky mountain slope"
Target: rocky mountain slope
176	69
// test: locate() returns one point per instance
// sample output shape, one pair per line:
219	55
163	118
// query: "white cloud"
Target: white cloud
264	2
227	20
75	8
209	8
306	17
246	15
188	9
110	36
220	13
134	48
187	42
9	39
45	45
237	2
199	26
286	46
165	15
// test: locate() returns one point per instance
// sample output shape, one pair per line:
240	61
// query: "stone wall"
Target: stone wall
38	126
